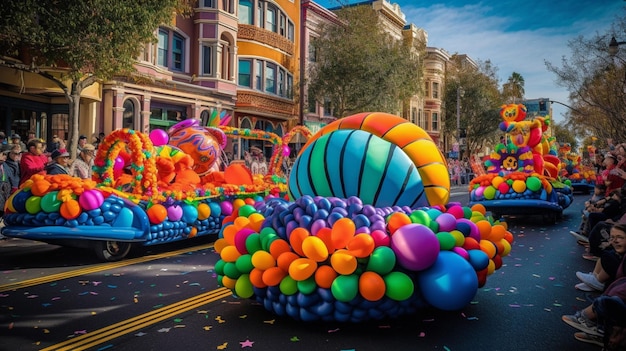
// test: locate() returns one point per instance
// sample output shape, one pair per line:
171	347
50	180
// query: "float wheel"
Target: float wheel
111	251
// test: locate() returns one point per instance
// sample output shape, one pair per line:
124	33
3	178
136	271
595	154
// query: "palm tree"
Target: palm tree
514	88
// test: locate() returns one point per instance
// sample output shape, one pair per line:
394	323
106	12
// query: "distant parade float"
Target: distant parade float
362	229
522	174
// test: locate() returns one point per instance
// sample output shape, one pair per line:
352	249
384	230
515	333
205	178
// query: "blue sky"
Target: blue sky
517	36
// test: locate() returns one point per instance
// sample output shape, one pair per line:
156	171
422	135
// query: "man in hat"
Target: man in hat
60	162
82	166
16	139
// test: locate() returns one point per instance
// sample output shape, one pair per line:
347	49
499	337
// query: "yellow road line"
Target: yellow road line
97	268
116	330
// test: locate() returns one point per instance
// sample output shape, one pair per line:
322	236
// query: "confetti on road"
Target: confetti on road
246	343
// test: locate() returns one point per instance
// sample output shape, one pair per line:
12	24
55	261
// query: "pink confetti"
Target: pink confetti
422	334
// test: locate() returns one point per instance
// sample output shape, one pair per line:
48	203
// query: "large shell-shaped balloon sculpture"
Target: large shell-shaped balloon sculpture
380	158
203	144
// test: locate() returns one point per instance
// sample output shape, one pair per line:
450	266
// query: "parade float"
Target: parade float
368	231
362	229
581	177
522	174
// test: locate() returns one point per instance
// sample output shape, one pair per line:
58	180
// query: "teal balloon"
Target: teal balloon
307	286
33	204
382	260
216	210
50	203
124	218
399	286
190	214
345	287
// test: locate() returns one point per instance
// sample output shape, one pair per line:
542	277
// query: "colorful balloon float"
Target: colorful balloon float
353	246
522	174
343	239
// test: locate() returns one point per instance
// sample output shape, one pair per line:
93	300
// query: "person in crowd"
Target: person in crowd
17	139
3	141
5	185
12	166
82	165
55	144
605	269
598	320
31	136
612	207
59	163
82	141
99	140
33	161
612	175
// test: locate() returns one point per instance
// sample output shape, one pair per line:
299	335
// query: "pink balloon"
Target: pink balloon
91	199
118	166
159	137
286	151
174	213
380	238
240	240
416	246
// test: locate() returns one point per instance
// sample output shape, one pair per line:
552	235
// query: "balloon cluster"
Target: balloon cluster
510	186
324	258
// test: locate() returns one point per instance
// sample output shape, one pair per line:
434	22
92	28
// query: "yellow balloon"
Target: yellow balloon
302	268
315	249
204	211
343	262
230	253
263	260
519	186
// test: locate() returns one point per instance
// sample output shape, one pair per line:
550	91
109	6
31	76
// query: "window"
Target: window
414	115
128	116
435	121
271	19
327	107
289	86
312	53
291	31
207	60
281	82
178	50
427	89
435	90
312	104
258	71
282	25
209	3
270	78
227	6
245	12
162	49
165	115
420	118
260	14
244	73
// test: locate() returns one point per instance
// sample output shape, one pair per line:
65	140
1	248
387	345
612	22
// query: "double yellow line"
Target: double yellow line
100	336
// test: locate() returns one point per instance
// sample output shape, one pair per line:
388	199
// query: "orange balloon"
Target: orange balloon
296	238
326	235
361	245
315	249
40	187
263	260
156	213
256	221
278	246
230	253
241	222
497	232
220	244
479	208
372	286
285	259
193	232
397	220
324	276
488	247
229	233
484	228
343	262
228	282
302	268
508	236
273	276
70	209
256	278
204	211
341	232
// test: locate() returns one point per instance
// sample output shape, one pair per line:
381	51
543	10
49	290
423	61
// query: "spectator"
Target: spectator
598	320
82	166
82	140
99	140
59	163
55	144
610	207
5	185
33	161
3	141
12	166
31	136
16	139
613	176
607	265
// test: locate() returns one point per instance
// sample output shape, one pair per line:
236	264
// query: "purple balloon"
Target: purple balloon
317	225
447	222
416	246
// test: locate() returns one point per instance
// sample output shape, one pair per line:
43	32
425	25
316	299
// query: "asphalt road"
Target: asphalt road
167	298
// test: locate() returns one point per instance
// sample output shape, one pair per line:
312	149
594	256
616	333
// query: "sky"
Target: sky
515	35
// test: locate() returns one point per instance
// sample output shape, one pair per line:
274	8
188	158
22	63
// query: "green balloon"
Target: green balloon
244	263
382	260
253	243
399	286
490	192
446	241
219	267
345	287
246	210
49	202
533	183
420	217
243	287
288	286
307	286
33	204
231	271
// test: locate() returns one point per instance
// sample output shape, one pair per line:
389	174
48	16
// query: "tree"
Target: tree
479	105
596	83
78	43
513	89
359	67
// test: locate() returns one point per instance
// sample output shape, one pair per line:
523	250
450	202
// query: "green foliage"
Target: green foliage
359	67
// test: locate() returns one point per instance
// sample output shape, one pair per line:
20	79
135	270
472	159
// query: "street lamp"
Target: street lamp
614	46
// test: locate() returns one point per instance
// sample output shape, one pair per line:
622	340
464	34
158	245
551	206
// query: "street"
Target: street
167	298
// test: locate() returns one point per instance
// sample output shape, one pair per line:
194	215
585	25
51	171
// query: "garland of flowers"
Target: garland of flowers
143	166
